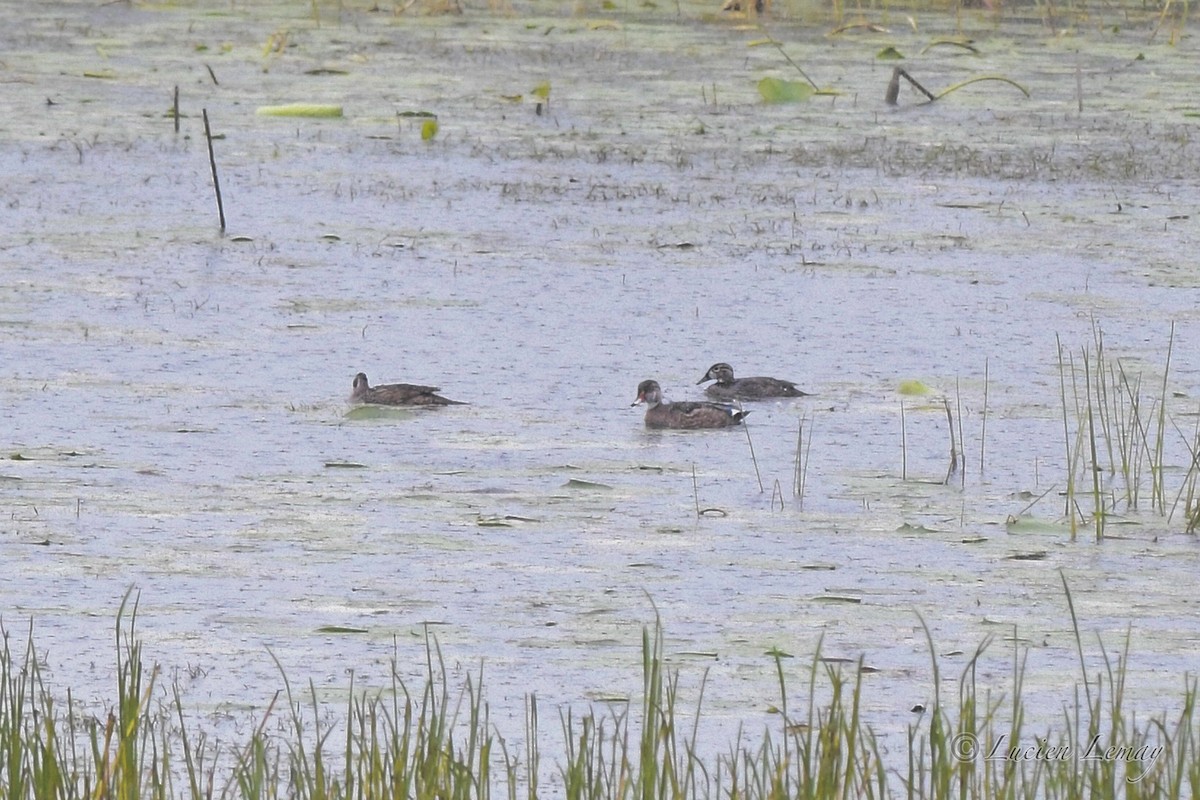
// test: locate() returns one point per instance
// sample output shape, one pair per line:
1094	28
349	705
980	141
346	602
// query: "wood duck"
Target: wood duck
759	388
397	394
685	415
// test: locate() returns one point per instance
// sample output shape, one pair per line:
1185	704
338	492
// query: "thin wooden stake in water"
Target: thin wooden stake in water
695	491
175	109
903	446
212	162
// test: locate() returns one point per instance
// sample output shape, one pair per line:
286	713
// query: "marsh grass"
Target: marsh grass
801	462
439	743
1187	494
956	461
1115	432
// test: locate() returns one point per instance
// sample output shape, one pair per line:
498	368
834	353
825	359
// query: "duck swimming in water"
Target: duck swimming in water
397	394
684	415
759	388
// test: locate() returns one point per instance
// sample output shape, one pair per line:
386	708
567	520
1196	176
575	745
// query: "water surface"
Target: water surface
177	398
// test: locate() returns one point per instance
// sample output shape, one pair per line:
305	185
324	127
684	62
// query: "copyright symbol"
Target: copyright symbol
964	747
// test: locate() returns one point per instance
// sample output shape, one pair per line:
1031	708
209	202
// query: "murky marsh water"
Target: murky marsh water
177	398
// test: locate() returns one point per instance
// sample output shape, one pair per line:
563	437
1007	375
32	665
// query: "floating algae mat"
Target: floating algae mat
300	110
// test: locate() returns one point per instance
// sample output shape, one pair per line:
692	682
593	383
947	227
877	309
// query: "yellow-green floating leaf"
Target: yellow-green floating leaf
776	90
889	53
300	110
913	387
429	129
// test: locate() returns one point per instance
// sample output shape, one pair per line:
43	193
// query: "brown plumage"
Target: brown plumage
684	415
759	388
397	394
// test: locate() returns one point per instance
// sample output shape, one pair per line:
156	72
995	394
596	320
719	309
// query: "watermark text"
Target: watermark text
967	747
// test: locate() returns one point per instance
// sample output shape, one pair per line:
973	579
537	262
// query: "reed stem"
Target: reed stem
212	162
753	459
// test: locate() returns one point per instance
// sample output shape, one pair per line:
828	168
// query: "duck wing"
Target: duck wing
691	414
721	391
408	394
761	387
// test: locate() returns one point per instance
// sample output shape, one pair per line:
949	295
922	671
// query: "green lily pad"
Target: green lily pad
776	90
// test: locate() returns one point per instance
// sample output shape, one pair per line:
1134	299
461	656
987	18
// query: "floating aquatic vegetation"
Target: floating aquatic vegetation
777	90
300	110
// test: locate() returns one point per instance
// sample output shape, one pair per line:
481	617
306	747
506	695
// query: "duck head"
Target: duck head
649	392
719	372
